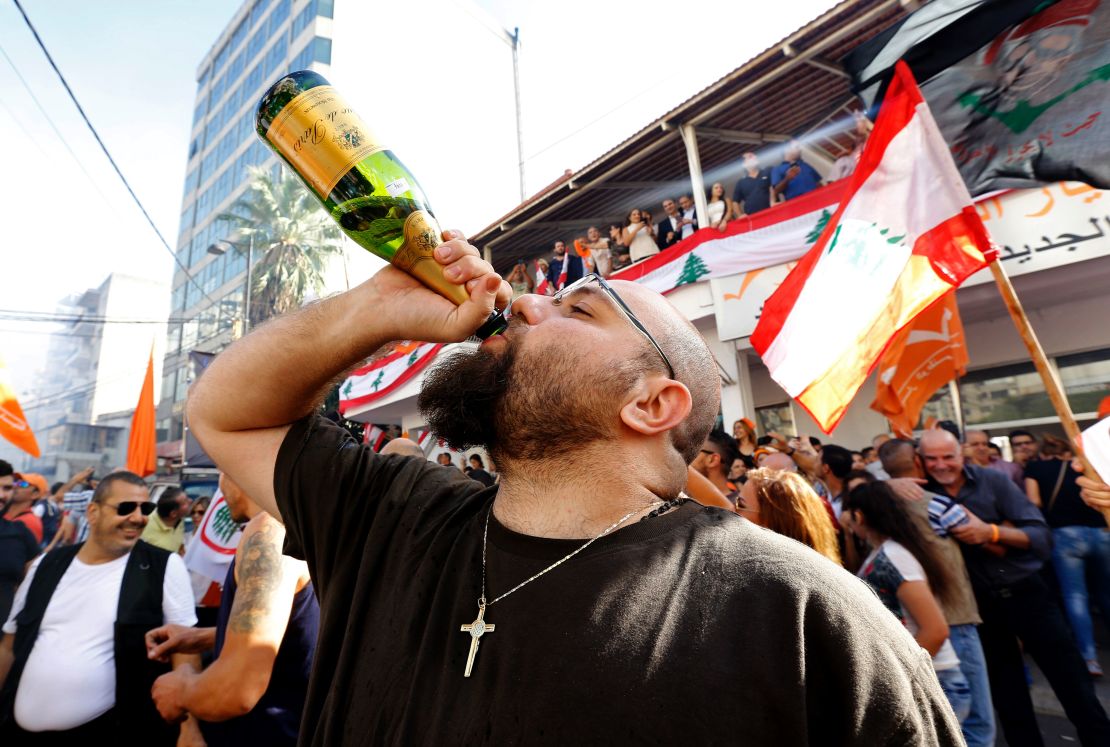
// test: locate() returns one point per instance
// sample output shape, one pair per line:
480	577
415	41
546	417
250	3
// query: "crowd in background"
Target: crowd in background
981	557
639	236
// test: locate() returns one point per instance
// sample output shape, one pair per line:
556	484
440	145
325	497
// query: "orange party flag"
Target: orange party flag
926	355
13	425
142	458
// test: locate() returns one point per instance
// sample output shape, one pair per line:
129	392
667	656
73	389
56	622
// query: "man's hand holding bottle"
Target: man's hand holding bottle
411	311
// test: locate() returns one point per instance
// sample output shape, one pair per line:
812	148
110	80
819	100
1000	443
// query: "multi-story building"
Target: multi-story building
372	55
264	40
82	400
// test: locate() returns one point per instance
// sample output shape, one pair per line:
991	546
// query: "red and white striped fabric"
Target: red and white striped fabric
426	441
542	286
382	377
905	234
374	436
562	282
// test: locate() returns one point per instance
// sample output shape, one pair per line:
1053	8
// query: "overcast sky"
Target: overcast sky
592	73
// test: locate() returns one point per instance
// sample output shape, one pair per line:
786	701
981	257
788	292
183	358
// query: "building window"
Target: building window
322	51
1086	379
1004	394
325	8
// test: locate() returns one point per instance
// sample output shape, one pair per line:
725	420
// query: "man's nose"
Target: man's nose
533	308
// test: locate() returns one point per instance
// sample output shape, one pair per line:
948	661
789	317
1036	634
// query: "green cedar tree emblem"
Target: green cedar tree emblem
692	270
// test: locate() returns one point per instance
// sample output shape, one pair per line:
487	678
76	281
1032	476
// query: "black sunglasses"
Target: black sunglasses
126	508
621	305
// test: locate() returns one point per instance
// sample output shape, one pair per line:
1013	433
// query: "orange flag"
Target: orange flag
142	458
922	358
13	425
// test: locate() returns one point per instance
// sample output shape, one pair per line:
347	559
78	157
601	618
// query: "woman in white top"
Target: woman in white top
718	207
639	236
908	573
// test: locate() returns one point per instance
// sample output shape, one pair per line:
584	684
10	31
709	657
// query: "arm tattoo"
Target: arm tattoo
260	572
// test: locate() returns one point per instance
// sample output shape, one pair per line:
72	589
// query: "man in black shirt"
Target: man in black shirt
575	602
753	192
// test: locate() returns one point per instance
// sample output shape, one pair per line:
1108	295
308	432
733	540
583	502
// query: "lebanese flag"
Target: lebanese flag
562	283
905	234
374	436
924	356
425	440
542	286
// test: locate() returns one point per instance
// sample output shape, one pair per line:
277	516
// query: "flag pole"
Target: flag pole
1048	374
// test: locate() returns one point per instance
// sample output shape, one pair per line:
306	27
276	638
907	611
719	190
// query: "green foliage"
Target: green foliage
294	239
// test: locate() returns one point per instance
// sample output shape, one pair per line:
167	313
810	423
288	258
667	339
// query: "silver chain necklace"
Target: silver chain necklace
480	627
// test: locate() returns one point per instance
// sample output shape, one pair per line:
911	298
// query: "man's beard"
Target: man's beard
528	408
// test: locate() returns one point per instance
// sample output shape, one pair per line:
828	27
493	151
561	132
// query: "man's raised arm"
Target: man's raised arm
241	408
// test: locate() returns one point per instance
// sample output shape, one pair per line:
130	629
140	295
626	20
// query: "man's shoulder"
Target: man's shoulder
763	557
142	547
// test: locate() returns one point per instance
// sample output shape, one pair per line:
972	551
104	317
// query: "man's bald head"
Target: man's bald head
898	458
403	446
693	364
937	438
778	460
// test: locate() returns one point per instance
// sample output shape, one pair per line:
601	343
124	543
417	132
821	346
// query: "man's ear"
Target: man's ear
657	405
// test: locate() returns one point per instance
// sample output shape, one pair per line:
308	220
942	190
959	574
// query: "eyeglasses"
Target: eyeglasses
126	508
621	305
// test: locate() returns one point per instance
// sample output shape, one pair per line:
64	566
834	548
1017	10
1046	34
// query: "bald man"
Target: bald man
1019	610
405	447
513	613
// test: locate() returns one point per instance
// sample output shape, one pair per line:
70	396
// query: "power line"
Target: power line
53	126
25	316
108	154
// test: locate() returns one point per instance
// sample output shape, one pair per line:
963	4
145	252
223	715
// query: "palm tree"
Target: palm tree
296	237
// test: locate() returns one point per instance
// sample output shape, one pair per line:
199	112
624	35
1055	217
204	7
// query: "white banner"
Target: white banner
212	548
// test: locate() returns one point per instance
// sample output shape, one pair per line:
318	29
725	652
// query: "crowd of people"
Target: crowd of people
666	556
982	558
639	236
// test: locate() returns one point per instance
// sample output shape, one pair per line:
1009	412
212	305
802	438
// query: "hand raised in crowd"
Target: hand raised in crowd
417	313
166	640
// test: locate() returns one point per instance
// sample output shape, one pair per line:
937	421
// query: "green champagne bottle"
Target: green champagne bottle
363	186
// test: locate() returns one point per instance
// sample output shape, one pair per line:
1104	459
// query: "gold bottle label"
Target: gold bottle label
322	137
415	256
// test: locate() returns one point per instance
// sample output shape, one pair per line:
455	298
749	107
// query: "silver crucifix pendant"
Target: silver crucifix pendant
477	629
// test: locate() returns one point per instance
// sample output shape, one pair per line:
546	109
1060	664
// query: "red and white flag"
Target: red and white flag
374	436
542	286
425	440
905	234
562	283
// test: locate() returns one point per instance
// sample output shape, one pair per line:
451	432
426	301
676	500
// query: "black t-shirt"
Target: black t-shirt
1068	510
753	191
695	627
17	549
